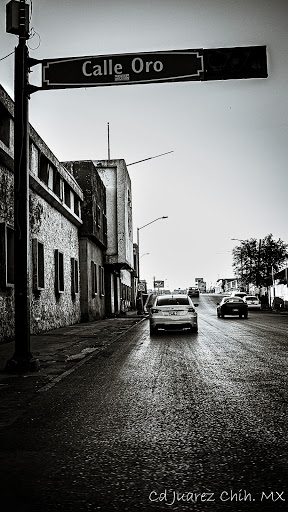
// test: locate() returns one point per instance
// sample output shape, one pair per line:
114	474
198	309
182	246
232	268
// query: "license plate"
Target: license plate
172	312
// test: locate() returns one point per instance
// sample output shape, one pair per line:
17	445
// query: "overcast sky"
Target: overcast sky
227	176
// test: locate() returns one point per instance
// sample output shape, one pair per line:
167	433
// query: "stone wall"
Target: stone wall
50	309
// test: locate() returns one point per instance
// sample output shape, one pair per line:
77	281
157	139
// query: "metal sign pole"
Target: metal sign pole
22	359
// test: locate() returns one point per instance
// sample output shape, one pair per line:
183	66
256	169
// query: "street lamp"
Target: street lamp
138	229
145	254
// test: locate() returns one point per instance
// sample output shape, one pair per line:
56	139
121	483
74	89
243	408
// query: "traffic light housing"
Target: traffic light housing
239	62
17	18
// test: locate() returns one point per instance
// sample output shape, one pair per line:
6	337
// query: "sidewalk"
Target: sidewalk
60	352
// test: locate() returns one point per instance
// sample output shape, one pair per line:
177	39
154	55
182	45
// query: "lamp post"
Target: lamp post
138	230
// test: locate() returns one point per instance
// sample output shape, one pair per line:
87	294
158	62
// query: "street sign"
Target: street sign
155	67
141	287
158	284
119	69
234	63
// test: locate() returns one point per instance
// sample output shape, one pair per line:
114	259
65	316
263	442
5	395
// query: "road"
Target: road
182	421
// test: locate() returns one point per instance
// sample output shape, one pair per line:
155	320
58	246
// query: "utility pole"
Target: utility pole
18	23
258	265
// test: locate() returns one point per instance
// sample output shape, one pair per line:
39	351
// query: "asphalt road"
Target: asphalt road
182	421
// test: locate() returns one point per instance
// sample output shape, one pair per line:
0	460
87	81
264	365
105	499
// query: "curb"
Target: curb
86	358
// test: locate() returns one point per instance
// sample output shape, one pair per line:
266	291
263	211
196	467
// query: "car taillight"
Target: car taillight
154	310
191	310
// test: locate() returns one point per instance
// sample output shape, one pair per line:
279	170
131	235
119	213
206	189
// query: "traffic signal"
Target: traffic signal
17	18
240	62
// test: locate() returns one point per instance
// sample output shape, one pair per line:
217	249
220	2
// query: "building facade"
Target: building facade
55	216
92	239
81	246
119	257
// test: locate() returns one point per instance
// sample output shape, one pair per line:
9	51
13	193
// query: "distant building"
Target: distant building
92	239
119	259
226	285
201	285
115	256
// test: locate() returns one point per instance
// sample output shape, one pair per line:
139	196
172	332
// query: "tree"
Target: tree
254	261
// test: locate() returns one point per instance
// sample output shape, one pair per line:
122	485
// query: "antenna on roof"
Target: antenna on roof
108	141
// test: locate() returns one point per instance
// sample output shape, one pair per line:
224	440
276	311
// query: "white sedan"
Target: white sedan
252	302
173	311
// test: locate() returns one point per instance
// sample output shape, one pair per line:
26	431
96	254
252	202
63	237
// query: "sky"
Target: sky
226	172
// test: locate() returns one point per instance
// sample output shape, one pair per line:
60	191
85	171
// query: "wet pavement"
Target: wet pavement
190	421
59	352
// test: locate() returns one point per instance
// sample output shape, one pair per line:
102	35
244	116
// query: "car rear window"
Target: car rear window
233	299
251	297
173	301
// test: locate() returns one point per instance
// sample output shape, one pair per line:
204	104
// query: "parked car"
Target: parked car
252	301
232	306
149	302
236	293
193	291
173	311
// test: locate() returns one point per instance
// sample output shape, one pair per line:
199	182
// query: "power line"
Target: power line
2	58
144	160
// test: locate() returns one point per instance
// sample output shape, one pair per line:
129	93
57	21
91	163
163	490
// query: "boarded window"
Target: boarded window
74	276
94	278
59	272
4	125
6	255
38	265
101	279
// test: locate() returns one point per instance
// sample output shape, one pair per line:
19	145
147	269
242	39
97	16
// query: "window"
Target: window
6	255
4	125
74	276
77	206
38	265
171	301
98	216
101	279
43	172
104	224
94	278
59	272
57	189
67	194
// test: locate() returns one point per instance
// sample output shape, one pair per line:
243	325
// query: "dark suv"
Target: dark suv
193	291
